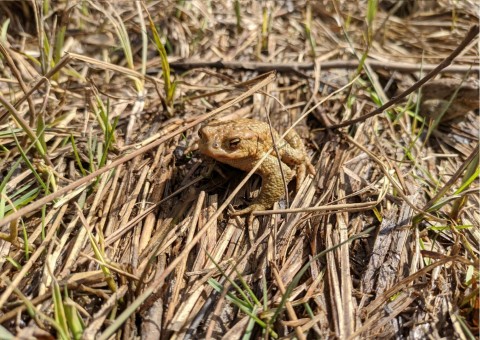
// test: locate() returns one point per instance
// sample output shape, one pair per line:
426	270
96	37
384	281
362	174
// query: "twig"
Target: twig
64	61
288	304
327	65
472	33
386	172
8	58
453	179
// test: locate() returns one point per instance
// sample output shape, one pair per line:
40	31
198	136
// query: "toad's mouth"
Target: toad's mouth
221	154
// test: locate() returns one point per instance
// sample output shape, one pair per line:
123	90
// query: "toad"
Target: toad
243	142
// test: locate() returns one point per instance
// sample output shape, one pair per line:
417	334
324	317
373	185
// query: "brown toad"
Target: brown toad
243	142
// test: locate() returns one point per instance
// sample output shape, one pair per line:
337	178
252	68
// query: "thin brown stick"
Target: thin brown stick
327	65
35	256
8	58
453	179
472	33
61	64
288	305
386	172
379	301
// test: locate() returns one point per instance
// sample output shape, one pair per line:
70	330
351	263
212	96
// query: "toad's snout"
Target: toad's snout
207	139
209	143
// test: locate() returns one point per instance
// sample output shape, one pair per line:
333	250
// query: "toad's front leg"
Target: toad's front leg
273	187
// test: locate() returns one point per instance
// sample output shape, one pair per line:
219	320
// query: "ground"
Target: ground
114	225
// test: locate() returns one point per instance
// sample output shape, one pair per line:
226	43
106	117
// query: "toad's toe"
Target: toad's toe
301	172
249	210
311	169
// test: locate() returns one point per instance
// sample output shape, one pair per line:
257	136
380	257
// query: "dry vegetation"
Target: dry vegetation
112	225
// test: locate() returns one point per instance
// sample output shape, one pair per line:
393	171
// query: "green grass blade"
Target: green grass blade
74	320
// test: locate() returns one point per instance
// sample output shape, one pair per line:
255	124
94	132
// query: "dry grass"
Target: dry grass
112	225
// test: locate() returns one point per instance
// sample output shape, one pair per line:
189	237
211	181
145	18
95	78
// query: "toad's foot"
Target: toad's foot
250	210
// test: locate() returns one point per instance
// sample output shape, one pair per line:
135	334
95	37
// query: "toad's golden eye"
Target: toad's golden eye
233	143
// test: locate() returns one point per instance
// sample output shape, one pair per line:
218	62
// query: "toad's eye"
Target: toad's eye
233	143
